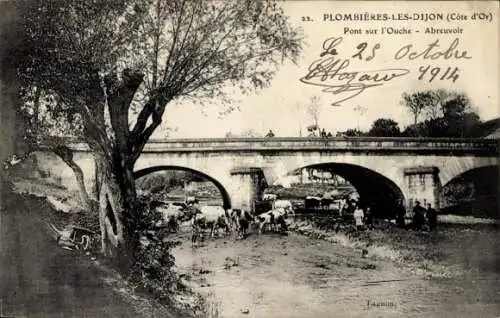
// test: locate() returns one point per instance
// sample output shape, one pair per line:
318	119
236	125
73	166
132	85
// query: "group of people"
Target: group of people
322	134
363	218
422	215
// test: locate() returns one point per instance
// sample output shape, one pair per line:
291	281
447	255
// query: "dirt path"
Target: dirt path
294	276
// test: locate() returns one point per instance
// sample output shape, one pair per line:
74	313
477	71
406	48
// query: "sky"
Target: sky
282	106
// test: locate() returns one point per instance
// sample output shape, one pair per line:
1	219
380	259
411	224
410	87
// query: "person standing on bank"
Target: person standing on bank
400	215
358	217
431	217
369	218
418	216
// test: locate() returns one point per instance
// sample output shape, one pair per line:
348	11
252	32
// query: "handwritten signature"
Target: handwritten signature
331	74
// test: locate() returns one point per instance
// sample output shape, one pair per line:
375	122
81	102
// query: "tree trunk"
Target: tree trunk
115	160
84	196
67	156
117	213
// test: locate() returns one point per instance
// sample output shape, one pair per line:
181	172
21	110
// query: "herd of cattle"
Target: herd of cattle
327	202
213	218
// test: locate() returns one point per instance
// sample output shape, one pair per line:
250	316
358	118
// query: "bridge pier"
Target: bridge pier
423	184
247	186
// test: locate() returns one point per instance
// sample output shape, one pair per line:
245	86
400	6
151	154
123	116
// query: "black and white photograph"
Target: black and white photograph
249	158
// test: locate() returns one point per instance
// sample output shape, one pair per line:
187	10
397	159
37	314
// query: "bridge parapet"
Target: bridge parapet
452	146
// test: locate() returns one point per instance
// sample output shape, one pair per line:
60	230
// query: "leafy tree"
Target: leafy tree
314	110
455	118
350	133
457	106
468	125
435	110
460	118
116	65
384	127
416	103
45	128
429	128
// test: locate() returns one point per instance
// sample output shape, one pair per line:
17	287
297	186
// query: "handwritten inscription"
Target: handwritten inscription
432	52
448	74
334	75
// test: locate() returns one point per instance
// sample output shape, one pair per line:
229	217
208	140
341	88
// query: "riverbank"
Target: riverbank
315	272
39	279
73	283
425	253
295	275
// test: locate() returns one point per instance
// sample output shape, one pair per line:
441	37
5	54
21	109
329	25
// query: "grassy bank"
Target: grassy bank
470	220
409	249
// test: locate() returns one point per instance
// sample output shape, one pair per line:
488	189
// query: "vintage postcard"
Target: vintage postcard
250	158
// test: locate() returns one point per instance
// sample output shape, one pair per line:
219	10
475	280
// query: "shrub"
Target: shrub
152	271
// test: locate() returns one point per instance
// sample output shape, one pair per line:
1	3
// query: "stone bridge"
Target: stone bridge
392	172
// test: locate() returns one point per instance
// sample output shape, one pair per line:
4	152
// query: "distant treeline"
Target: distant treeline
436	113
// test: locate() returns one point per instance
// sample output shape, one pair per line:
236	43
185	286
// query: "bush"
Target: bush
88	219
152	271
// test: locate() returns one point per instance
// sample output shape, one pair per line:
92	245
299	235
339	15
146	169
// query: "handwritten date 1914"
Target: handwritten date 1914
448	74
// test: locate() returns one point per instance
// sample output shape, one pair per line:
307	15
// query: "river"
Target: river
296	276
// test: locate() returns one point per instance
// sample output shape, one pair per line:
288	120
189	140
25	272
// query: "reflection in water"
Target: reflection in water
294	276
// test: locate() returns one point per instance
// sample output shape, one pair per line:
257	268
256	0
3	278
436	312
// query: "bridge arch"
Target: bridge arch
457	166
382	194
388	168
473	192
225	195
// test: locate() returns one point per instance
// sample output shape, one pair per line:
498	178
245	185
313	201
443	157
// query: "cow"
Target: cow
285	205
272	218
190	201
209	217
326	201
242	220
171	215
